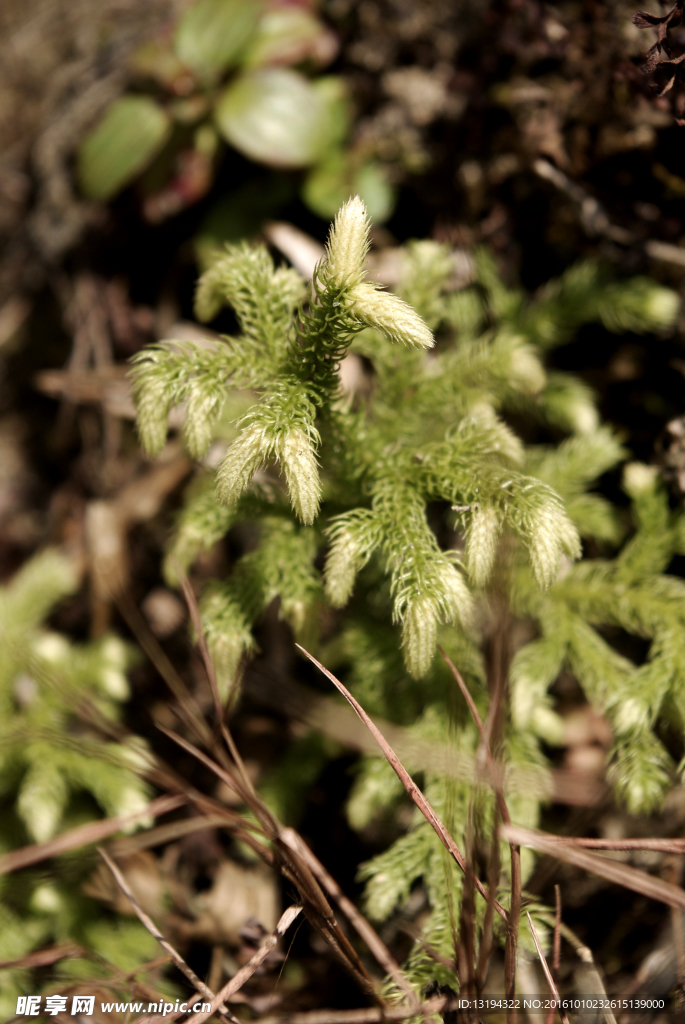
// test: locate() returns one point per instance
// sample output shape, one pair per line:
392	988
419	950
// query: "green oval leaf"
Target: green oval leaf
286	35
332	182
332	91
212	33
132	131
371	183
328	186
275	117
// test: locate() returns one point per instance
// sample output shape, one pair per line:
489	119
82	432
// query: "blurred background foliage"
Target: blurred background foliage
242	73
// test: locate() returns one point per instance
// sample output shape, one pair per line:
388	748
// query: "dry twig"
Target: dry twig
595	221
164	943
676	846
556	946
315	904
364	929
342	725
611	870
245	973
43	958
165	834
548	974
584	954
194	611
196	620
84	835
514	913
188	709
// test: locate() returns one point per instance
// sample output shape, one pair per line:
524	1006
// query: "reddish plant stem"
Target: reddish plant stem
485	735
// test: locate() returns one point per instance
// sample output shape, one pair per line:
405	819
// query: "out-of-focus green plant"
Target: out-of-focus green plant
439	523
53	765
241	72
44	755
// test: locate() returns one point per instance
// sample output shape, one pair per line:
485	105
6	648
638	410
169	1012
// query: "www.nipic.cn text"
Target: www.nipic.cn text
31	1006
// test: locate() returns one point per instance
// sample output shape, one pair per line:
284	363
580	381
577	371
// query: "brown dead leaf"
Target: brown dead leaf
107	524
107	386
238	895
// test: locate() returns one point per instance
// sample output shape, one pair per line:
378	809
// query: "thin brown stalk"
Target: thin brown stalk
511	947
497	657
84	835
188	708
248	793
676	846
414	932
342	725
465	940
245	973
240	764
216	967
258	808
164	943
165	778
161	775
194	611
485	734
44	958
548	974
673	870
357	920
319	913
556	961
406	780
495	772
611	870
556	946
584	954
164	834
492	731
679	943
316	906
487	938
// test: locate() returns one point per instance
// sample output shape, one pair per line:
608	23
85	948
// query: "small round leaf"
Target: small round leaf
274	116
332	92
332	182
287	35
328	186
212	33
130	134
371	182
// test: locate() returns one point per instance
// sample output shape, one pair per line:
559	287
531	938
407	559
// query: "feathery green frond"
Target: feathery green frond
167	374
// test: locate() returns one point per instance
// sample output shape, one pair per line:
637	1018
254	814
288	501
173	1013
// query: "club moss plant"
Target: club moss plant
413	512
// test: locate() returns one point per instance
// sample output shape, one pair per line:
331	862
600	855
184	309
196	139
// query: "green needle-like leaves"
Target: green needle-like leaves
411	508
